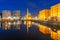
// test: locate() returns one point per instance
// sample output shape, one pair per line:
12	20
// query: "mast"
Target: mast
27	21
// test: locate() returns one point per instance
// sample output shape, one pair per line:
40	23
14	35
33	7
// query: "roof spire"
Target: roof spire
27	10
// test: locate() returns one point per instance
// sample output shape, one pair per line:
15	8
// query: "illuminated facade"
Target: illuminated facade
54	14
16	13
16	16
43	14
55	11
5	15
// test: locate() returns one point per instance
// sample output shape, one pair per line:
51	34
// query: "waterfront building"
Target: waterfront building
44	14
16	16
5	15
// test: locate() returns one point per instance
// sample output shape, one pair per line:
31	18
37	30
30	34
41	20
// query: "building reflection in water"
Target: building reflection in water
44	15
45	30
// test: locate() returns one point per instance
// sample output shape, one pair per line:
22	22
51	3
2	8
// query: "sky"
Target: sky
34	6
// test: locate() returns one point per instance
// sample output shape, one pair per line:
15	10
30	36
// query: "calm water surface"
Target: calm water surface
32	34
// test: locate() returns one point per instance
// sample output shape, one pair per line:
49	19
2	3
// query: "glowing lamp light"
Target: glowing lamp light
14	23
14	17
9	23
49	28
24	22
9	17
49	17
29	22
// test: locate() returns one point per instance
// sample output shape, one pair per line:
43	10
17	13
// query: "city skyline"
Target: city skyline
45	15
30	19
33	5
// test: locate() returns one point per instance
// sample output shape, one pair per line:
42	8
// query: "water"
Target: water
32	34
